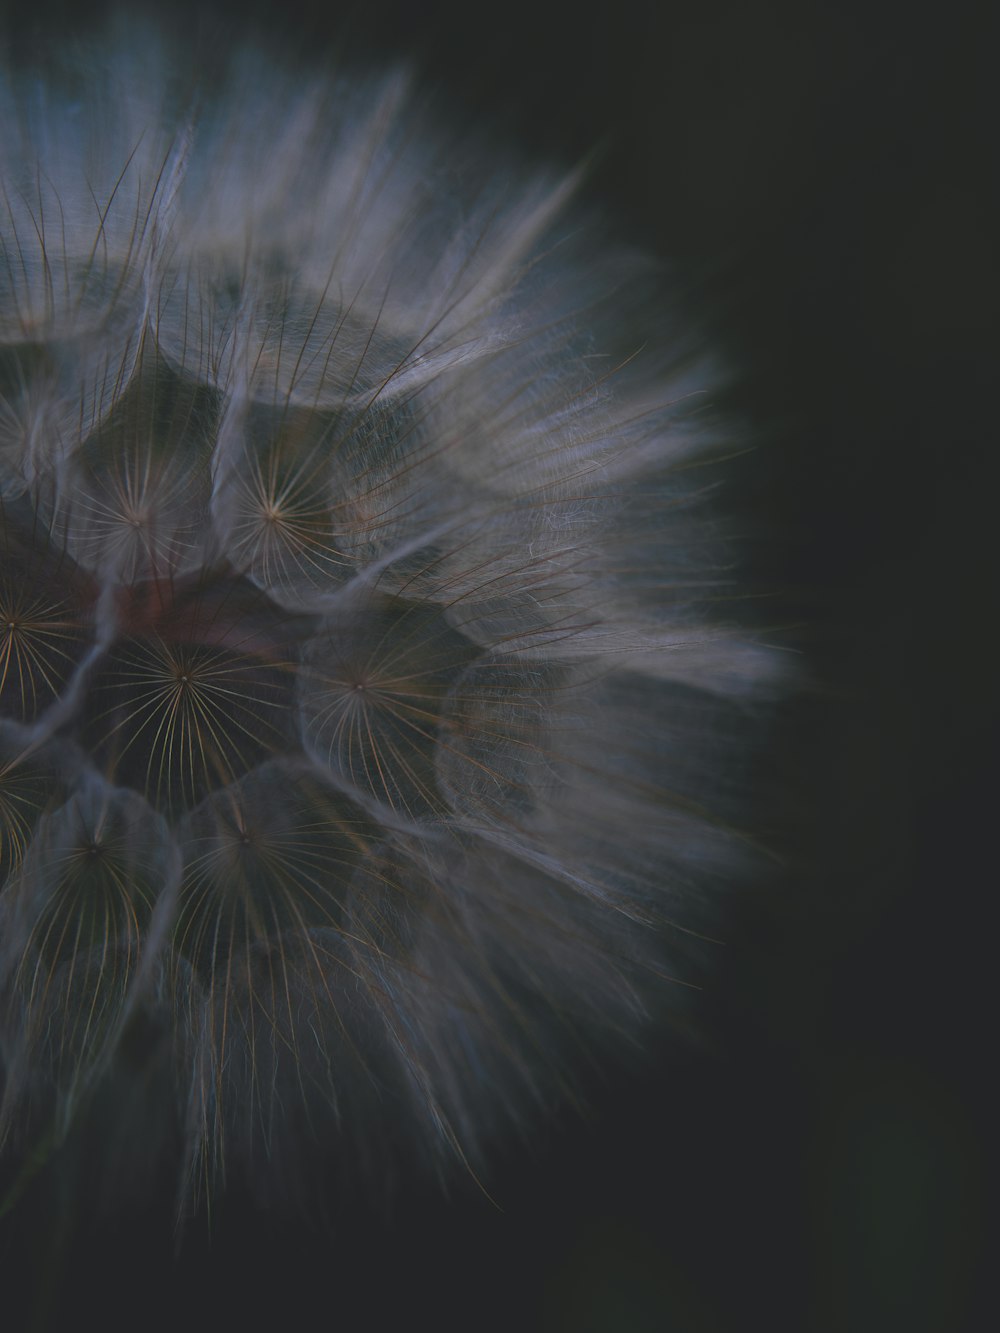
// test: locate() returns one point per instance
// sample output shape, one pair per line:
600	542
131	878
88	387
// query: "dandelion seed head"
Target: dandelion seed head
359	646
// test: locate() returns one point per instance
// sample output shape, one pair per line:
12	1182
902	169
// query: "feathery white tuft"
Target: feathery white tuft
363	694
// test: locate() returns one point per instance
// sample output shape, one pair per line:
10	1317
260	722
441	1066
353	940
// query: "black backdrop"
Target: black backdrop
822	178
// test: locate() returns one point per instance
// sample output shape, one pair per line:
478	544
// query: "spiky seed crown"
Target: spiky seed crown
357	645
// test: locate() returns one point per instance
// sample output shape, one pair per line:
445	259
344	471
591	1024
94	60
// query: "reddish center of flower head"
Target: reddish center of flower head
218	610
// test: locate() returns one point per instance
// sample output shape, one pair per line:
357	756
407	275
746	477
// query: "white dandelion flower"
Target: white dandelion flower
366	710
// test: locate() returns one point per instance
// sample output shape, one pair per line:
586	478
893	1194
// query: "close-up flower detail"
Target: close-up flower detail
372	678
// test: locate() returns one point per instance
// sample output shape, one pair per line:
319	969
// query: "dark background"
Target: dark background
822	178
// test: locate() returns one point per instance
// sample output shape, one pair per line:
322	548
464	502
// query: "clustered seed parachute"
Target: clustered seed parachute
363	682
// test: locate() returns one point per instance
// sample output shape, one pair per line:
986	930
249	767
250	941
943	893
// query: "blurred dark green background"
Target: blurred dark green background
822	179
